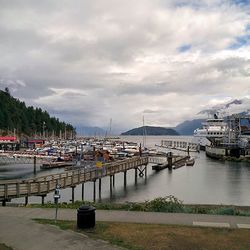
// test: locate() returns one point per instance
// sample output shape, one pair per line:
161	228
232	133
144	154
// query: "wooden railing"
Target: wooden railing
46	184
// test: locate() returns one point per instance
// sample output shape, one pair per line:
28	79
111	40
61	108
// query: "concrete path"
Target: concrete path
20	232
128	216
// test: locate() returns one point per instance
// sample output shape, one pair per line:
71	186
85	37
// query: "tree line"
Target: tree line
16	118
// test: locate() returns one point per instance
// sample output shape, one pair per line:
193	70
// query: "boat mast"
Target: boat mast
143	133
110	126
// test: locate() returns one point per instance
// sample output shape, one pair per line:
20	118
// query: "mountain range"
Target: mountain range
186	127
236	106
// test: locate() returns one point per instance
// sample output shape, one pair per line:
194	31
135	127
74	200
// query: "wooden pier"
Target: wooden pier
179	144
41	186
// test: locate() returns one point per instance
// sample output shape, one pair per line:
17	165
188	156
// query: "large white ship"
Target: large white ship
211	129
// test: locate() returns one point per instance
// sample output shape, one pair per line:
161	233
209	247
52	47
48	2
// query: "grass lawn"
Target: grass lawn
150	236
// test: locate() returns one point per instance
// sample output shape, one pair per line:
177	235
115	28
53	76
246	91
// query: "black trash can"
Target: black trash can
86	216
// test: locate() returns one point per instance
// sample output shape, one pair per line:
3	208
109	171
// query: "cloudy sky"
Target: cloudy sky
86	61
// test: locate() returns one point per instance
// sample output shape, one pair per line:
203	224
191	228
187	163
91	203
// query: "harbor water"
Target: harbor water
207	182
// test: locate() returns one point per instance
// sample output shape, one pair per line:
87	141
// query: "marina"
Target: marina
41	186
209	181
74	164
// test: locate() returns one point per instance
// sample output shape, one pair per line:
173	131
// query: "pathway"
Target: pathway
20	232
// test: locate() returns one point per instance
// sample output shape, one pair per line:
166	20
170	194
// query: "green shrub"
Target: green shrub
165	204
201	210
226	211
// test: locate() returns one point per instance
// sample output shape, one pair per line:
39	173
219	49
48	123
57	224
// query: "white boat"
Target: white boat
190	162
211	129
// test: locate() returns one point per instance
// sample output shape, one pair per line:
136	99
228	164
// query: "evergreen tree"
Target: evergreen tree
27	120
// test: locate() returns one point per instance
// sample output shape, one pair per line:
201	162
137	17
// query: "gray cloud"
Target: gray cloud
88	61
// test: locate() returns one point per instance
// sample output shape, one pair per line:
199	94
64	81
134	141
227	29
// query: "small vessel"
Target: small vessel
190	162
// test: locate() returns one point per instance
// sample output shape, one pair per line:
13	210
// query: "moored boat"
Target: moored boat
190	162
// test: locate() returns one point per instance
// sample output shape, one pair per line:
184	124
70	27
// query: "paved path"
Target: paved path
129	216
19	231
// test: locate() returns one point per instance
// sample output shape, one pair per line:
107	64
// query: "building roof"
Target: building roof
7	138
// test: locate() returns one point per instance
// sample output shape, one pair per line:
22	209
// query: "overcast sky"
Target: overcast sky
88	61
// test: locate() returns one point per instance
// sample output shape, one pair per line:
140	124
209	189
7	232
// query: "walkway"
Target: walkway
19	232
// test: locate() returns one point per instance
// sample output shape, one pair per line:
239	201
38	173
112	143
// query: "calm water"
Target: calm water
207	182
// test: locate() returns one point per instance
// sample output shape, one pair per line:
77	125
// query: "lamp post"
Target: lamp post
56	198
43	129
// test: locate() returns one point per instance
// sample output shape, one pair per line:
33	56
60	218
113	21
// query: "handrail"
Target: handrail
45	184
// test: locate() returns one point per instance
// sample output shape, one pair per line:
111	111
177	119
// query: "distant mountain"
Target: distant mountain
188	127
90	131
150	130
222	110
228	108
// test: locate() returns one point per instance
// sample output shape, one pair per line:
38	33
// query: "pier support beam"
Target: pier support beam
34	164
170	161
110	184
136	170
43	196
94	190
3	203
100	188
143	171
82	191
113	180
26	200
125	178
73	194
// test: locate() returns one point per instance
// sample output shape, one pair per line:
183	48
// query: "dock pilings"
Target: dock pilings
34	165
83	191
73	194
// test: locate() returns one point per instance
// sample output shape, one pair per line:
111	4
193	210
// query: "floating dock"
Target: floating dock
61	164
172	162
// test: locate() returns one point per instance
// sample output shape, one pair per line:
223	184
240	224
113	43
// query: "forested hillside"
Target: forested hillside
150	130
15	116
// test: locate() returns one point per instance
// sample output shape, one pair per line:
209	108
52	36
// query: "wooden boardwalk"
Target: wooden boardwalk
41	186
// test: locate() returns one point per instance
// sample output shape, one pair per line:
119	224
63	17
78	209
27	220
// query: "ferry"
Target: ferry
211	129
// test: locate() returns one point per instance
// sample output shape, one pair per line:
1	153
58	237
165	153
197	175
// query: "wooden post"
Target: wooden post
170	161
4	203
145	171
43	196
26	200
125	178
34	164
100	187
110	184
73	194
136	176
94	192
113	180
82	191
